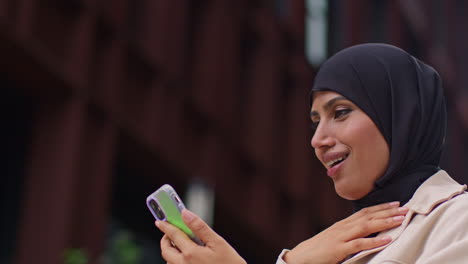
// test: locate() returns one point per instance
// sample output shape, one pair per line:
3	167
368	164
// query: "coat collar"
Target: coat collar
434	191
439	188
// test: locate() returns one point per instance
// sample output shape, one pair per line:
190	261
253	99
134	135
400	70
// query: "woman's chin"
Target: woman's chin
350	193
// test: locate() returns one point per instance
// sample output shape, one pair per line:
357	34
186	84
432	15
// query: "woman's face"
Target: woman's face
348	144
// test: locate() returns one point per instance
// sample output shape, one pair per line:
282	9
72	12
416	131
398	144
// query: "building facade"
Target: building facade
107	100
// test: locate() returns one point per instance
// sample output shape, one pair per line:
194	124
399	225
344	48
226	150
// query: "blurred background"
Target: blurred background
103	101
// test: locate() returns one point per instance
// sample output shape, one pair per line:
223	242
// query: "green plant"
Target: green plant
123	250
75	256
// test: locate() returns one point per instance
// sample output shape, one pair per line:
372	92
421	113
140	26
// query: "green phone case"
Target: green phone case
171	205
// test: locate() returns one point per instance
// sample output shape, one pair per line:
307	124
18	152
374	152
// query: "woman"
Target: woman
380	124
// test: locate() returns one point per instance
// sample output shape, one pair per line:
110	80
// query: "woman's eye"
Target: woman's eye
342	112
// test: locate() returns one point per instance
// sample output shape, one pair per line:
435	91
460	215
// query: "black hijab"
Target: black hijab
404	98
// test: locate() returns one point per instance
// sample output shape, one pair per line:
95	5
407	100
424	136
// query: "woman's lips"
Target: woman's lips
331	172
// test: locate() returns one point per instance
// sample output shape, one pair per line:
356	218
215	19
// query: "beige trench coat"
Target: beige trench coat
435	229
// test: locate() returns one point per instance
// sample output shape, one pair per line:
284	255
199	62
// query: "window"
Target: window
316	28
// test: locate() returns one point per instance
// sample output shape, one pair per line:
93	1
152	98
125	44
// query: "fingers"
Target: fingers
200	228
365	228
372	220
174	234
170	253
375	208
391	212
366	243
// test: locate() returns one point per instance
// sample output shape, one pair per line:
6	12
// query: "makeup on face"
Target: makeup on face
348	144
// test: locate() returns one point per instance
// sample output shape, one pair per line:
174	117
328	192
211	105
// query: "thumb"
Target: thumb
199	227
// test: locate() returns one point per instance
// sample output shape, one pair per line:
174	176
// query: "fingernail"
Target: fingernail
157	223
385	238
187	215
403	209
394	204
398	218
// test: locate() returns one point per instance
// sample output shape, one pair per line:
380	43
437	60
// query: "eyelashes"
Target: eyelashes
338	114
341	112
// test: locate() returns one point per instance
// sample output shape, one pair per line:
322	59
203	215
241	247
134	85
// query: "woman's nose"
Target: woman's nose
322	137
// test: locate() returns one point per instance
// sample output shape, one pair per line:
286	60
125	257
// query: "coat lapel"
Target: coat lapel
394	233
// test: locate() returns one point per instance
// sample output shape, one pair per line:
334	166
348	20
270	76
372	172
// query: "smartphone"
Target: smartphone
166	205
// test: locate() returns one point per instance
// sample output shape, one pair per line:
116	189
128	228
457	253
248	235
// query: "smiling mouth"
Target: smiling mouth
337	161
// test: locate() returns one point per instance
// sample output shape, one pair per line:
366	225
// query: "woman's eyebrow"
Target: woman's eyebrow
328	105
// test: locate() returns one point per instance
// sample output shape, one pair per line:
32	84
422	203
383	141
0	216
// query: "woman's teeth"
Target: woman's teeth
336	161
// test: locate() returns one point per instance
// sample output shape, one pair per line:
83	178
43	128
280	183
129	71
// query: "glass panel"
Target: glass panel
316	31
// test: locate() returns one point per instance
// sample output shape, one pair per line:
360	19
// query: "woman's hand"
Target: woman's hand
348	236
184	250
